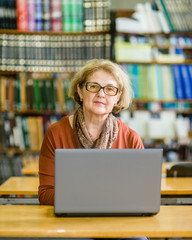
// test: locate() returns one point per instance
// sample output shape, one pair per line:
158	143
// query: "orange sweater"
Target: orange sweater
61	135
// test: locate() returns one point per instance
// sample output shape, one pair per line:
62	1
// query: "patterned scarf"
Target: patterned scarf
84	138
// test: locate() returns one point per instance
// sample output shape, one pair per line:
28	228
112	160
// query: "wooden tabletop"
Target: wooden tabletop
39	221
176	186
29	185
31	168
20	185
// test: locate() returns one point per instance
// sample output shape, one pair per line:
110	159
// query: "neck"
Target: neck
95	124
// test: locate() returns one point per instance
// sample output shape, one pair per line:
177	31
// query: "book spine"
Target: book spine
31	15
46	15
177	82
37	95
38	15
66	15
167	15
187	87
56	15
22	15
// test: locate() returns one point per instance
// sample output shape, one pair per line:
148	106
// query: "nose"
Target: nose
101	93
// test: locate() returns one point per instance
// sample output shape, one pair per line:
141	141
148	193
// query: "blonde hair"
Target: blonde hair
122	79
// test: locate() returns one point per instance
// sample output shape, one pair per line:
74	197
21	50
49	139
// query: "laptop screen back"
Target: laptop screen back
91	182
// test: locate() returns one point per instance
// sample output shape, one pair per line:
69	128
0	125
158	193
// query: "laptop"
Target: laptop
107	182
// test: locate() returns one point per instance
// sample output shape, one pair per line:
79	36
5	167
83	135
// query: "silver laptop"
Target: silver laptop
112	182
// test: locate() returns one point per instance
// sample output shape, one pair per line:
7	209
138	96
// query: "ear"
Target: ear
79	90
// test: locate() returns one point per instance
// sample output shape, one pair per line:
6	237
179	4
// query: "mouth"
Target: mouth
98	102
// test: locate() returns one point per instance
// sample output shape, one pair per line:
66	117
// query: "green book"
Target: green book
45	97
66	6
25	132
52	94
37	95
17	94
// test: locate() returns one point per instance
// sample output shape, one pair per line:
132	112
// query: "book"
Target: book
3	93
17	93
135	80
37	94
31	15
25	132
46	15
152	21
22	15
167	79
38	15
178	85
10	93
56	15
66	8
186	82
161	5
23	86
60	93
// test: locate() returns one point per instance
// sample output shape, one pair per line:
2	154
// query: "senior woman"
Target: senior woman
100	88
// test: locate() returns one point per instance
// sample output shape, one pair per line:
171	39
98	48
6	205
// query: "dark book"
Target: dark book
46	15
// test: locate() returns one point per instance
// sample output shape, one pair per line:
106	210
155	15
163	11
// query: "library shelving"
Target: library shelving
39	54
159	65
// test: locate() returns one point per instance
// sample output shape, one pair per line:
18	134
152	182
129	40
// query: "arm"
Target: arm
46	170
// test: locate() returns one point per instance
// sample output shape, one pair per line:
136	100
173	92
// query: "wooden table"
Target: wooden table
27	186
39	221
168	165
176	190
30	169
173	190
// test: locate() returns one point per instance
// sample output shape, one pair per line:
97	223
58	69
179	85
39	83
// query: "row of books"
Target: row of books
51	53
160	82
177	14
163	125
158	16
9	166
24	133
147	49
183	107
37	92
159	40
55	15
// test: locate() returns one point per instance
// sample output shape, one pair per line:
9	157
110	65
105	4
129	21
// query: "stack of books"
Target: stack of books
35	92
55	15
51	53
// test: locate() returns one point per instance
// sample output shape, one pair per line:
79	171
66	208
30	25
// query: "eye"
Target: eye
93	86
110	89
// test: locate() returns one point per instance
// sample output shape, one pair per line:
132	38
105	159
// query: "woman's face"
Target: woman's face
99	103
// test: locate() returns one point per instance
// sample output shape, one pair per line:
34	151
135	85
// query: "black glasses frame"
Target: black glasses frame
100	87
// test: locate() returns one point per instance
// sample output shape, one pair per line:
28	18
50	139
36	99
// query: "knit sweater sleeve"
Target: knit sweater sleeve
58	135
46	169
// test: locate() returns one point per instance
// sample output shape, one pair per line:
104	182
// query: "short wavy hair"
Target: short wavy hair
116	72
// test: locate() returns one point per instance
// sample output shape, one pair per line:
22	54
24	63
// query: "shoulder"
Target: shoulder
131	137
60	126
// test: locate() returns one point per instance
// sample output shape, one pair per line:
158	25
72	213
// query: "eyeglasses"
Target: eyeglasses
96	87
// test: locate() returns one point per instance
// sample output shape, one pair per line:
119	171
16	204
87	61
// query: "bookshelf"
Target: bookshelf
39	54
159	65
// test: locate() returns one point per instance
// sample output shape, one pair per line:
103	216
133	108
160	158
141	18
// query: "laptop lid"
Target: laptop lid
104	182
